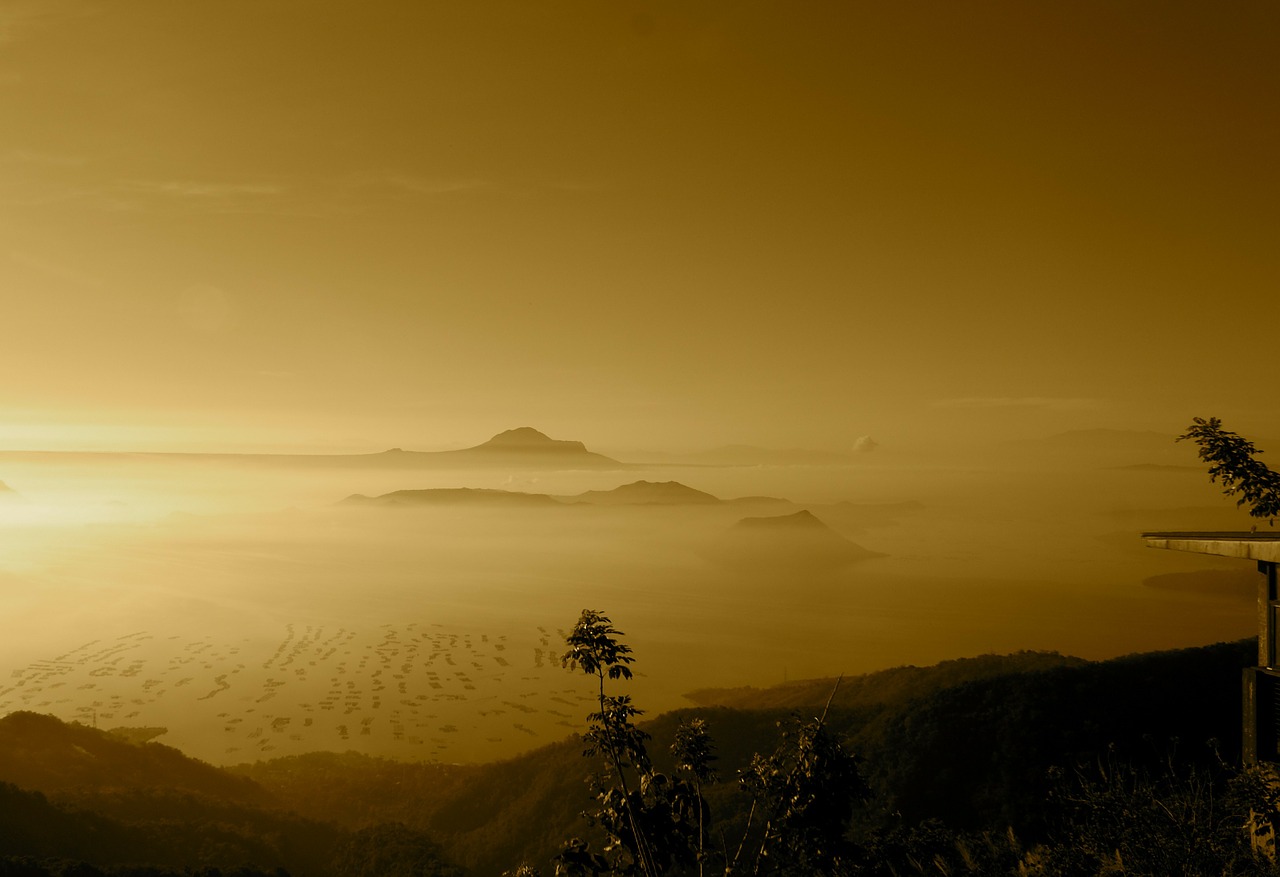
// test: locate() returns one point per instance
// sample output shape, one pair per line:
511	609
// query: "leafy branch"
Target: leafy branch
1233	461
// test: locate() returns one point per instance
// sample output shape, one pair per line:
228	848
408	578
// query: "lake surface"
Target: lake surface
242	610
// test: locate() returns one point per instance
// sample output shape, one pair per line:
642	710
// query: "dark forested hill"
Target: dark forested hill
69	792
159	831
977	753
969	742
488	817
896	683
42	753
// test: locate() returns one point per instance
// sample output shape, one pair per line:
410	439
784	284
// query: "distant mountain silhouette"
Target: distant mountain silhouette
453	496
648	493
524	448
797	540
526	438
803	522
528	447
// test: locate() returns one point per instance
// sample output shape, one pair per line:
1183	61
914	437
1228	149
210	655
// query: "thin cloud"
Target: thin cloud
140	196
198	189
1048	403
432	185
360	194
204	196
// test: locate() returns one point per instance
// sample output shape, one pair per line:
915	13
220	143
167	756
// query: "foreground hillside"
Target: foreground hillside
72	796
971	743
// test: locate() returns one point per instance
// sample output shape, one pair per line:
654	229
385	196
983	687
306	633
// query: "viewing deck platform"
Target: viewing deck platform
1260	694
1263	547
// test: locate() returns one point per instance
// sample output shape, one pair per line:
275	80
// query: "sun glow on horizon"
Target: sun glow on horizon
148	435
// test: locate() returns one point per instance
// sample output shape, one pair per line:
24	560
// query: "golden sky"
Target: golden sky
351	225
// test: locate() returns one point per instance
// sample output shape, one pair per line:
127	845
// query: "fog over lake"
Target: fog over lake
250	612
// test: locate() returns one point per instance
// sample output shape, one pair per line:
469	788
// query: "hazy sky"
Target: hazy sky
235	225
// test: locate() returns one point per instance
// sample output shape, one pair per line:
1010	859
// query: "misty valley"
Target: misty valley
638	439
414	606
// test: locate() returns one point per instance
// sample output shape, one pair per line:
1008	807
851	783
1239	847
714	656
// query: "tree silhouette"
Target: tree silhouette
1232	461
654	824
806	791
